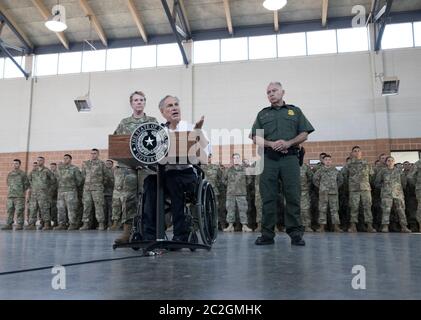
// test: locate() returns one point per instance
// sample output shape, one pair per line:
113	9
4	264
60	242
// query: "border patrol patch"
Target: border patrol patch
149	143
291	112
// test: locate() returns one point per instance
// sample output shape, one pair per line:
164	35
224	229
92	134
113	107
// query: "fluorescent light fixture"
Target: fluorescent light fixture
57	23
274	4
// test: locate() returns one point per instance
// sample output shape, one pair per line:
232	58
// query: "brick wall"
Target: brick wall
338	149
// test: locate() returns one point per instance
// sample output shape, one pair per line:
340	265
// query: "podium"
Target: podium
181	148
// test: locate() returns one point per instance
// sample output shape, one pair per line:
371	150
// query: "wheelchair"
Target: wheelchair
200	213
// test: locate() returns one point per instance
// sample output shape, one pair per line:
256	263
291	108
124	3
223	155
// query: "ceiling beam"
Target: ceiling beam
325	5
137	20
95	22
2	23
45	13
11	23
183	9
228	16
275	21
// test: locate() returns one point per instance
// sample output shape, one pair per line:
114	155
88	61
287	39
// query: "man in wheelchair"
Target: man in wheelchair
180	180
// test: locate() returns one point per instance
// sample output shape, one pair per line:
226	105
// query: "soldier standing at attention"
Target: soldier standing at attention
328	180
414	178
29	197
53	168
236	181
42	180
69	180
127	126
358	173
108	192
284	128
390	180
213	174
17	184
306	181
94	173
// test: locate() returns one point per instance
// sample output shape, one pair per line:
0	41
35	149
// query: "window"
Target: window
352	39
144	57
169	55
93	60
1	67
262	47
118	59
397	35
234	49
292	44
321	42
69	62
46	64
10	69
206	51
417	33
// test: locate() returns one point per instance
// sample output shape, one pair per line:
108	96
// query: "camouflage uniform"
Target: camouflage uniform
108	195
54	190
223	199
17	183
258	199
328	180
414	178
41	181
94	174
306	178
375	194
69	180
130	124
124	195
390	181
236	181
343	203
213	174
357	174
410	200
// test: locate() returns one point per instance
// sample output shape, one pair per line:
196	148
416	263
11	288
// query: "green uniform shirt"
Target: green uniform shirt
284	123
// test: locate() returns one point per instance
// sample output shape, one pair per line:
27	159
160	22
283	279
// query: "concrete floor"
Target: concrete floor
234	269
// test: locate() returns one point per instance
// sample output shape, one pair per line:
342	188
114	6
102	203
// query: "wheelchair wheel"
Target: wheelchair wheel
136	233
193	239
207	215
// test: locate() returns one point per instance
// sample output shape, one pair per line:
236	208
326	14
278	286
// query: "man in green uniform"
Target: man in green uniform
17	184
285	127
54	190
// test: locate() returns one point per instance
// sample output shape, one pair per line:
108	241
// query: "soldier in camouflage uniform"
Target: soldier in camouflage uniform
344	200
213	174
127	126
390	180
379	165
328	180
69	180
414	178
108	192
94	174
223	200
41	181
358	174
17	184
124	196
236	181
410	198
54	188
306	180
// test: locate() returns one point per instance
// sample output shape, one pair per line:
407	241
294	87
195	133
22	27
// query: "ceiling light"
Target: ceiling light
57	22
274	4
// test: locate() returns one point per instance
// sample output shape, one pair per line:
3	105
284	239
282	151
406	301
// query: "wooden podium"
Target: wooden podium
184	149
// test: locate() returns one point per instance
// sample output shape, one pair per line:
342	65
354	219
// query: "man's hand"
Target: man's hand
281	145
199	124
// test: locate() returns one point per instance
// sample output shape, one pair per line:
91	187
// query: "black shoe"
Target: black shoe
297	241
261	241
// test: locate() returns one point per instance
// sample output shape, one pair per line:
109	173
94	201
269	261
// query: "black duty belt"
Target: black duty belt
276	155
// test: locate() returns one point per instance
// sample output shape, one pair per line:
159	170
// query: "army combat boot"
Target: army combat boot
30	227
19	227
336	228
61	226
85	226
7	227
321	228
101	226
47	226
73	227
370	228
115	226
352	228
308	229
245	228
404	228
125	237
230	228
259	227
385	228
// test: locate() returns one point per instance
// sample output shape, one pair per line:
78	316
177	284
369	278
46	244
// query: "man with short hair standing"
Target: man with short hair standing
285	127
